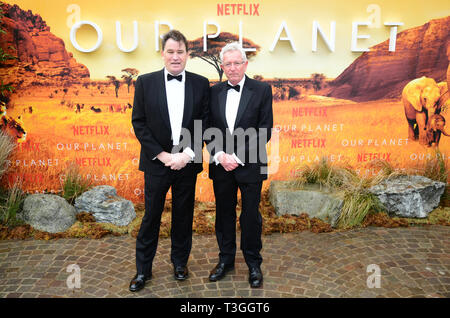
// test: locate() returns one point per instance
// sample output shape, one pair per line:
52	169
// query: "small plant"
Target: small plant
436	168
11	203
327	175
358	201
74	185
357	206
7	146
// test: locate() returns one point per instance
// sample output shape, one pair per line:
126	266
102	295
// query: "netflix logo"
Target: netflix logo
309	111
28	146
36	178
90	130
365	157
93	162
238	9
308	143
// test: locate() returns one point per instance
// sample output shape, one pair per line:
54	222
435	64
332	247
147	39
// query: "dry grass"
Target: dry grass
354	189
11	202
74	184
7	146
347	184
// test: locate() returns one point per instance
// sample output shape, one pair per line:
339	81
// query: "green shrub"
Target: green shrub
11	202
74	185
353	189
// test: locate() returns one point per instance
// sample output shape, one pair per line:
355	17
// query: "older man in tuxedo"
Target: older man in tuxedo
241	109
166	105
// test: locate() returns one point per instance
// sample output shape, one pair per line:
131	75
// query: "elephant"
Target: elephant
435	126
419	97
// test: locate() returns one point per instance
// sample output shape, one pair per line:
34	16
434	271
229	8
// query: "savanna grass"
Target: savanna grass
346	183
11	202
7	146
74	184
11	199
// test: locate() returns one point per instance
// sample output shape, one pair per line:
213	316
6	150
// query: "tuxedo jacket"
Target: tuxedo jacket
151	122
252	130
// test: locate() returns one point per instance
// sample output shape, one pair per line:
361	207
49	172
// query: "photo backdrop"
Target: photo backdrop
337	70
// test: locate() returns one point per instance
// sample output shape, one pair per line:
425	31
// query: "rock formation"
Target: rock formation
380	74
106	206
41	56
311	199
48	212
409	196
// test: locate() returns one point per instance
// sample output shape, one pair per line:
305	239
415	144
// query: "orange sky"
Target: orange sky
189	16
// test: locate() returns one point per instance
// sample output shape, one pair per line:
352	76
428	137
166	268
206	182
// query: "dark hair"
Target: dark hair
176	36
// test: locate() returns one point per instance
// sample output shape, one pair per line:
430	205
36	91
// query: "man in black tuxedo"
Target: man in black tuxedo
241	109
166	104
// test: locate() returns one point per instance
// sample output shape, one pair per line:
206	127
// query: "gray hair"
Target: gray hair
233	46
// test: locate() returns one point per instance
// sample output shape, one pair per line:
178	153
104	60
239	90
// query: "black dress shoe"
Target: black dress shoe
180	272
138	282
255	277
219	271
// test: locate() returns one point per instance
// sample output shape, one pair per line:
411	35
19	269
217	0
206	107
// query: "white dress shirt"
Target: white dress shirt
231	110
175	104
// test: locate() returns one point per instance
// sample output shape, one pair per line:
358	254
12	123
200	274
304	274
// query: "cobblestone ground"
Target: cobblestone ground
413	262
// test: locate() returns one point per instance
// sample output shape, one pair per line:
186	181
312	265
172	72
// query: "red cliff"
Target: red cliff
380	74
41	56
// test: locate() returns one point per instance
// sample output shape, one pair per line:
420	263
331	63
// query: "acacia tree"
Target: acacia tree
115	82
318	81
212	55
131	73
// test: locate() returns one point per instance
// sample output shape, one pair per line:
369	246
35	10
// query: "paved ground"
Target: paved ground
413	262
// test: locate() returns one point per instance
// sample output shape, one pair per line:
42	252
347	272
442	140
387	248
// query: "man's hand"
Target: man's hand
178	161
164	157
228	162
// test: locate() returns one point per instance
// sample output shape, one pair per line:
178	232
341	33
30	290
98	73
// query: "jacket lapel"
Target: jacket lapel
243	103
223	103
162	100
188	101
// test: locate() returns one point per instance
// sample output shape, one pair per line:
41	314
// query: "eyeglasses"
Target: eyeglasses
228	65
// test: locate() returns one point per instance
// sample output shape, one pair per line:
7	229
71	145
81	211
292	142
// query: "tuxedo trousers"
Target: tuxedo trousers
183	196
250	220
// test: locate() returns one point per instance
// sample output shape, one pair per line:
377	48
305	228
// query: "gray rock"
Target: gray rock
48	212
311	199
409	196
106	206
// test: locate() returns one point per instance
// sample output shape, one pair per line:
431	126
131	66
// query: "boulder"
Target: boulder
409	196
48	212
311	199
106	206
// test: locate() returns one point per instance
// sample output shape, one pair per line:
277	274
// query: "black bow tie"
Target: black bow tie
171	77
237	87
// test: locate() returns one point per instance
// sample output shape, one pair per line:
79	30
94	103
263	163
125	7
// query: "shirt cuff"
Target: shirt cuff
189	152
237	159
216	157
